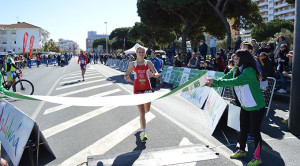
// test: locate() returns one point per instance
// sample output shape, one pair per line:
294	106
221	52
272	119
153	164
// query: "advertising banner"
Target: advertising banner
25	42
31	44
15	130
214	109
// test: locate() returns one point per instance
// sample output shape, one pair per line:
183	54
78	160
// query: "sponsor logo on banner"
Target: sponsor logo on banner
168	74
31	44
25	42
185	75
197	96
214	109
15	129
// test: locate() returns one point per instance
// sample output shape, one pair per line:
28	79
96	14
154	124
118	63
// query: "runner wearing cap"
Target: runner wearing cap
141	82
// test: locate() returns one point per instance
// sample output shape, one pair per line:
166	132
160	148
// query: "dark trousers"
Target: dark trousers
153	83
250	122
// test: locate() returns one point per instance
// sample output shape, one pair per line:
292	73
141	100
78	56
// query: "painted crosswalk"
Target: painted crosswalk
60	107
106	143
79	76
80	84
76	80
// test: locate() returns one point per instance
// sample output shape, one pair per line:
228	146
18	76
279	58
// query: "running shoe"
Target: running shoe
254	162
238	154
285	121
144	138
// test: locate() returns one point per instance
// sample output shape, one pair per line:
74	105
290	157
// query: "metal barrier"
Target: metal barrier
118	64
228	93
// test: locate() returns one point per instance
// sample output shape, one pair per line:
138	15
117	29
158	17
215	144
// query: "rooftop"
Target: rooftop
19	25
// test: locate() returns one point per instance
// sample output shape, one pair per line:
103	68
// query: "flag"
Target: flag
25	42
31	44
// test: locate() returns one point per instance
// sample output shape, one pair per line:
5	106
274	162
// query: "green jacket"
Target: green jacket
246	87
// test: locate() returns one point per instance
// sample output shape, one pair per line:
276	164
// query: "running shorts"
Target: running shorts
143	91
82	66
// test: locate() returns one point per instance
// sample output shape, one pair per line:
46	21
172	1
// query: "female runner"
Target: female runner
141	83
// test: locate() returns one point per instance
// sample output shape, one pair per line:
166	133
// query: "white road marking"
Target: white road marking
38	109
79	73
79	84
183	142
79	79
70	123
86	75
70	81
109	141
84	89
60	107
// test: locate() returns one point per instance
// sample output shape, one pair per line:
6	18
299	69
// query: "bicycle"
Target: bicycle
22	86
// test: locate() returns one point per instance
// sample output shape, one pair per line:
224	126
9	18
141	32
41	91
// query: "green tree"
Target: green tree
288	35
119	44
119	33
102	42
245	13
291	2
50	46
270	28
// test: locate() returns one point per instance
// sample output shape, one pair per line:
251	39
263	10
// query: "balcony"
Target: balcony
281	5
263	9
284	11
262	3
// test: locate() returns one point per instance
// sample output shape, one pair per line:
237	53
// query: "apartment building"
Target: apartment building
92	36
12	35
68	46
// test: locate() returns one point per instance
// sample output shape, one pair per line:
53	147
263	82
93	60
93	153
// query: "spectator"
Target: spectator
207	65
267	64
270	51
177	62
238	43
201	65
38	60
188	57
156	63
229	66
203	49
199	58
161	69
283	65
213	46
172	52
262	48
219	64
255	46
228	57
192	61
279	42
222	54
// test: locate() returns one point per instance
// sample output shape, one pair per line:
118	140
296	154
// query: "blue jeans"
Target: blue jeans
283	78
213	51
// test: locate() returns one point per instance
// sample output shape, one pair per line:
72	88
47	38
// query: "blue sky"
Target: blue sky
71	19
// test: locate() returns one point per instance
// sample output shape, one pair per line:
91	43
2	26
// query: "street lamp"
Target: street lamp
106	38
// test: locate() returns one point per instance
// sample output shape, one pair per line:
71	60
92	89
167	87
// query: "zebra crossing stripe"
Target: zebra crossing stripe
84	89
60	107
79	84
70	81
86	75
109	141
75	121
79	73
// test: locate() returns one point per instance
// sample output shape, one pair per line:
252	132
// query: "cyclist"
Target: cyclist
10	70
83	62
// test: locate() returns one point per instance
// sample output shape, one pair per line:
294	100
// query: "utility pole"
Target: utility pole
106	38
294	117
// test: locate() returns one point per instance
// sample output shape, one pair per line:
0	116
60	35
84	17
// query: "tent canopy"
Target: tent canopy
133	49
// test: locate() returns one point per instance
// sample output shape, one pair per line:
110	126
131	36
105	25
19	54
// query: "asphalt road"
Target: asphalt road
74	133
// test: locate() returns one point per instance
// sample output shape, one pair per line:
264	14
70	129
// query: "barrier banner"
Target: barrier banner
168	74
175	75
185	75
214	109
25	42
216	75
197	96
178	76
194	72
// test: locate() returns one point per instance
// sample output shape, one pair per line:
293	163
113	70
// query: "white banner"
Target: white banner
15	130
233	120
214	109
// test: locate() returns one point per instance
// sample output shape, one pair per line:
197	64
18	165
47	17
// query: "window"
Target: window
15	42
4	42
4	49
13	32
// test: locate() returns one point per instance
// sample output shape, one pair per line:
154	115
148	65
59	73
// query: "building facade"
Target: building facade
270	10
12	36
92	36
68	46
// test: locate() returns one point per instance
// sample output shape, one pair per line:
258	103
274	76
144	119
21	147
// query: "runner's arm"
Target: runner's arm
86	60
129	69
153	70
78	59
